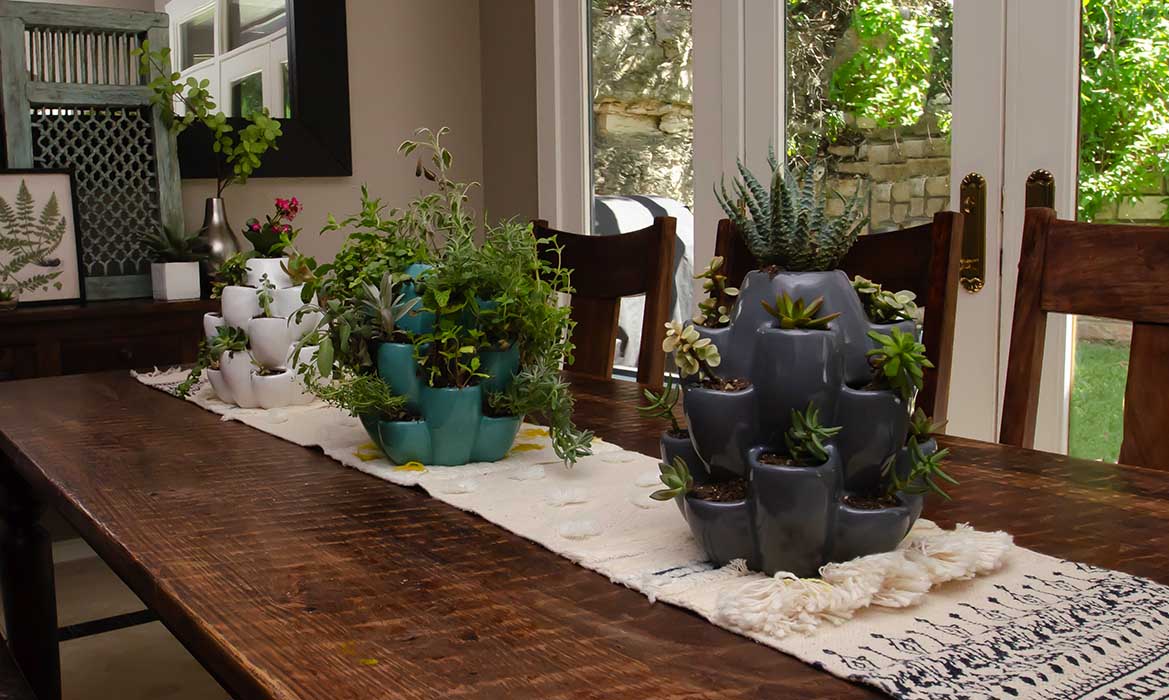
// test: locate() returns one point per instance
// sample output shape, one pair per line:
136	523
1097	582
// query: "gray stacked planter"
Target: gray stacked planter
793	518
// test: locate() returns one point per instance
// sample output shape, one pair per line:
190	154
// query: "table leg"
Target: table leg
27	587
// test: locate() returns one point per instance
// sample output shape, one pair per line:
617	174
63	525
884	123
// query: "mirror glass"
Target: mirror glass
240	47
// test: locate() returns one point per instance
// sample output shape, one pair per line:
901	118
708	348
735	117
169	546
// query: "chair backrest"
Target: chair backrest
1112	271
925	260
606	268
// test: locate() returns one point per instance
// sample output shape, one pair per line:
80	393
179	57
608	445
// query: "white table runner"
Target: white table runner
951	614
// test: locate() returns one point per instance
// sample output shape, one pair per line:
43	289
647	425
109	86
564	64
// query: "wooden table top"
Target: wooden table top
290	576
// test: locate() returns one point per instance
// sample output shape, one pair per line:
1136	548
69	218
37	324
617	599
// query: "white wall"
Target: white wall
144	5
412	63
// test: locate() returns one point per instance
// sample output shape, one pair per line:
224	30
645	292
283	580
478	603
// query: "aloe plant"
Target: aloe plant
384	305
788	225
172	246
806	437
676	478
898	361
794	313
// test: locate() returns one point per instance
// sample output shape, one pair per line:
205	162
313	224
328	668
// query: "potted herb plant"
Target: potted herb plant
798	391
174	267
448	318
270	335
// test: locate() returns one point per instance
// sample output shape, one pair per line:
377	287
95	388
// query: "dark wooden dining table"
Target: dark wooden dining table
288	575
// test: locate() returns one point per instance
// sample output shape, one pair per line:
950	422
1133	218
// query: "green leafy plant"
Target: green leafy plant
171	246
795	313
883	306
887	78
266	296
362	395
661	405
449	356
537	391
676	478
30	240
922	427
898	361
226	339
232	272
693	354
806	437
238	153
272	237
789	226
925	472
715	310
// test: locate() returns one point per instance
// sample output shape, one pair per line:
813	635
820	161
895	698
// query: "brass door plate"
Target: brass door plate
972	195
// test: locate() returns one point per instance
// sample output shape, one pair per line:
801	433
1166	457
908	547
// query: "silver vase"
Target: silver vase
218	233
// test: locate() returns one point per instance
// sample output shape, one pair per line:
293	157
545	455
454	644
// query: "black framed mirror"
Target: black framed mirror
316	140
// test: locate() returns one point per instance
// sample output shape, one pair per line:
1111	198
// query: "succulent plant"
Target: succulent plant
925	472
898	360
715	311
169	245
922	427
789	226
676	477
794	313
227	339
662	406
883	306
384	305
805	439
265	296
693	354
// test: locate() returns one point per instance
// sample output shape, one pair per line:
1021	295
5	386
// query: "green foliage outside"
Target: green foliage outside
1124	101
1097	404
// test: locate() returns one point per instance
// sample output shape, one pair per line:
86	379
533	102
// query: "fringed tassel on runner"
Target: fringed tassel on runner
929	556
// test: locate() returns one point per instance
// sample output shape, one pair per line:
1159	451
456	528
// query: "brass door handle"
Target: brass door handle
972	197
1040	189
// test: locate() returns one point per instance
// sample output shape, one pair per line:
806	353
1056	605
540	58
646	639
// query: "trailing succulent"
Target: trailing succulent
661	405
883	306
898	361
693	354
925	471
715	310
676	478
788	225
806	437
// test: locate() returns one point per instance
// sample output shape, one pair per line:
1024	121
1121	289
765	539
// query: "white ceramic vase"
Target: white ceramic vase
219	384
286	301
239	305
275	390
174	281
273	267
237	368
270	340
212	322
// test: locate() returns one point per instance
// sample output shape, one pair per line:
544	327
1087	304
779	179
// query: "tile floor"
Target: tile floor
143	662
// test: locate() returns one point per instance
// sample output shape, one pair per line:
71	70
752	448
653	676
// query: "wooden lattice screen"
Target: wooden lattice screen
72	97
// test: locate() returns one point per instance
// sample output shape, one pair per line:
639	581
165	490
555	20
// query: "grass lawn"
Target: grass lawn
1097	409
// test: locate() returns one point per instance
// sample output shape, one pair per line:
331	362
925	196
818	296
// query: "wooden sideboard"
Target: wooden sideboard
72	339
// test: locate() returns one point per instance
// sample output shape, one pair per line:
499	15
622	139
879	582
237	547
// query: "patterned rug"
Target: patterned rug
950	614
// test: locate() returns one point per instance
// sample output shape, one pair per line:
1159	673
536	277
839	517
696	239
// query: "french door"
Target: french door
982	96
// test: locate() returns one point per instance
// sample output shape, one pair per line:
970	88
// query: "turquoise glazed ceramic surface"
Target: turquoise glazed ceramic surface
794	518
452	429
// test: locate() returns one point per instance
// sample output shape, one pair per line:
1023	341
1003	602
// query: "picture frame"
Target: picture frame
40	246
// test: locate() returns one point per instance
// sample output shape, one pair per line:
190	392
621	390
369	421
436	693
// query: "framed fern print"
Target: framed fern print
40	254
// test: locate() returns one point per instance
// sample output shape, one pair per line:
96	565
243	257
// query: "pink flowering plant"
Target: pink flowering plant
272	237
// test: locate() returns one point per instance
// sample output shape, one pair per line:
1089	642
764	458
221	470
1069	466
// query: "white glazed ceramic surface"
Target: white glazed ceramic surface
239	305
219	384
286	301
212	322
276	390
237	368
270	340
308	323
258	267
175	281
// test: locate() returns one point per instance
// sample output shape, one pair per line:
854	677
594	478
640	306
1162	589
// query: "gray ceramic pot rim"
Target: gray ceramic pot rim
755	453
717	505
697	386
901	506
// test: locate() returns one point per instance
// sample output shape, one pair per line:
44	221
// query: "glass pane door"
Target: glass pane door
1124	163
643	136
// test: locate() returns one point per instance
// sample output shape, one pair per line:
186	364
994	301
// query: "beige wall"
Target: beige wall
412	63
508	59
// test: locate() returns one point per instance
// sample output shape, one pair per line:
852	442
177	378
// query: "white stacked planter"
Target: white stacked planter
240	379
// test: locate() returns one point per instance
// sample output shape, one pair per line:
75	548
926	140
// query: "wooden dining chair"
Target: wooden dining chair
925	260
606	268
1118	272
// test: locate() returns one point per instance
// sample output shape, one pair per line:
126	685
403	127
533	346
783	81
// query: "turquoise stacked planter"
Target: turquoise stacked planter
452	429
